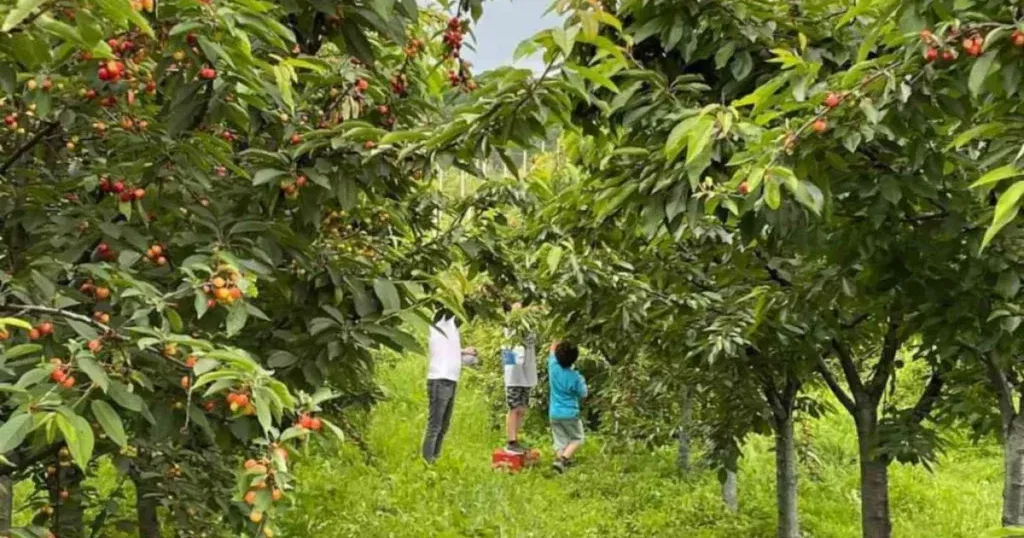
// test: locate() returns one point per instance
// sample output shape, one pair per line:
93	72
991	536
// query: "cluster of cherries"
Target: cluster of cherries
973	44
453	36
125	192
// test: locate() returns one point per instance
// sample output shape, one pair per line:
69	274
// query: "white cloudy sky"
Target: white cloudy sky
505	23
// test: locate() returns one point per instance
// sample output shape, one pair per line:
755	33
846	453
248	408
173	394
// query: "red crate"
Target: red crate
513	463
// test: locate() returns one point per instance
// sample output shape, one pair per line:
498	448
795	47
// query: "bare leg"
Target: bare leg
569	450
512	425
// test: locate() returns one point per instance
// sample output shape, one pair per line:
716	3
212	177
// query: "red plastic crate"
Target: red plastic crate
513	463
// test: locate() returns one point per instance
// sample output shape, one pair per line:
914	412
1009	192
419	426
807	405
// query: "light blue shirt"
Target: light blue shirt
567	389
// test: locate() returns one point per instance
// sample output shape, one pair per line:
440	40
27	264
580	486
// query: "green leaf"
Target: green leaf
95	372
267	175
237	316
45	285
283	77
200	304
388	295
772	194
593	75
699	137
14	431
110	421
128	400
1005	212
261	400
980	70
281	359
21	350
985	130
21	11
77	434
83	329
998	174
678	137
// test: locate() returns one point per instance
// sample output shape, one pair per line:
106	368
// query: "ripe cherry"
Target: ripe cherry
45	328
95	345
296	139
744	188
931	54
362	85
126	196
186	382
58	375
300	181
69	382
102	293
820	125
207	73
832	100
118	186
139	193
1017	38
949	55
369	144
384	109
926	35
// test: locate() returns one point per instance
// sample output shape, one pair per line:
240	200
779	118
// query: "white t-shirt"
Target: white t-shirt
520	362
445	351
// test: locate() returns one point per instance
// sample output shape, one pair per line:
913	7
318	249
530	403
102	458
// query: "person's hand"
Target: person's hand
554	345
469	351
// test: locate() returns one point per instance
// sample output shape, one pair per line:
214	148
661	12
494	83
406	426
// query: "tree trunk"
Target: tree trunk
786	478
683	456
6	503
874	479
66	498
146	503
730	495
1013	469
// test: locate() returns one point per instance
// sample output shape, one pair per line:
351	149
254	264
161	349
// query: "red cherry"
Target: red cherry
103	74
207	73
126	196
119	186
296	139
362	85
833	99
931	54
820	125
300	181
1017	38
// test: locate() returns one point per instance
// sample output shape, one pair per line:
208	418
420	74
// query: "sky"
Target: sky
504	24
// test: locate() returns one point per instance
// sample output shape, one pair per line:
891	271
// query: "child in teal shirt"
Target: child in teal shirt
567	389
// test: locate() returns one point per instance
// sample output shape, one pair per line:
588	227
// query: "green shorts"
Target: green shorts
566	431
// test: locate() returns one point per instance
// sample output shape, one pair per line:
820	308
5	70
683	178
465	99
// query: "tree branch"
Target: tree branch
849	368
27	146
928	398
1002	388
886	363
833	384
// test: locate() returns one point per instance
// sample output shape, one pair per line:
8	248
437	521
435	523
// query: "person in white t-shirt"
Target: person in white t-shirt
520	360
445	350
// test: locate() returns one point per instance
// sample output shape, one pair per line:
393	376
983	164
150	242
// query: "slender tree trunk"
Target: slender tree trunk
786	478
1013	468
874	478
146	503
6	503
730	493
66	498
683	456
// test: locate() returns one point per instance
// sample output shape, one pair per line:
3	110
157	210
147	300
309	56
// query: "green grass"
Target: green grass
609	494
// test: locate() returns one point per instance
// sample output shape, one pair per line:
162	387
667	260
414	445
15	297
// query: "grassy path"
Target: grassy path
607	495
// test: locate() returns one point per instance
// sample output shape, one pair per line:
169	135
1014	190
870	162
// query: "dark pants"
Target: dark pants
441	398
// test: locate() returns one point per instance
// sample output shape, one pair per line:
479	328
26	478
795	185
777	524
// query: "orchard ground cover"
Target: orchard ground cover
612	492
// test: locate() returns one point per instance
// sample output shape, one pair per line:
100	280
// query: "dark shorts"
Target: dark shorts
517	397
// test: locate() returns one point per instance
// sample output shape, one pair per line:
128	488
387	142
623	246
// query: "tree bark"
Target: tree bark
730	493
683	455
786	478
146	503
874	479
6	503
1013	477
68	513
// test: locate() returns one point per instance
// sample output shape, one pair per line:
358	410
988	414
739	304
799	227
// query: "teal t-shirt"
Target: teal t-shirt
567	388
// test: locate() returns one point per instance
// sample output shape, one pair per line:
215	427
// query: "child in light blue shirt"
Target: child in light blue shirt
567	390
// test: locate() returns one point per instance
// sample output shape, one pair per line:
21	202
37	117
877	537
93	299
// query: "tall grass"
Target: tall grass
609	494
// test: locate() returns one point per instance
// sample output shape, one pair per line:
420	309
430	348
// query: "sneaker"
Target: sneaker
559	466
513	447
